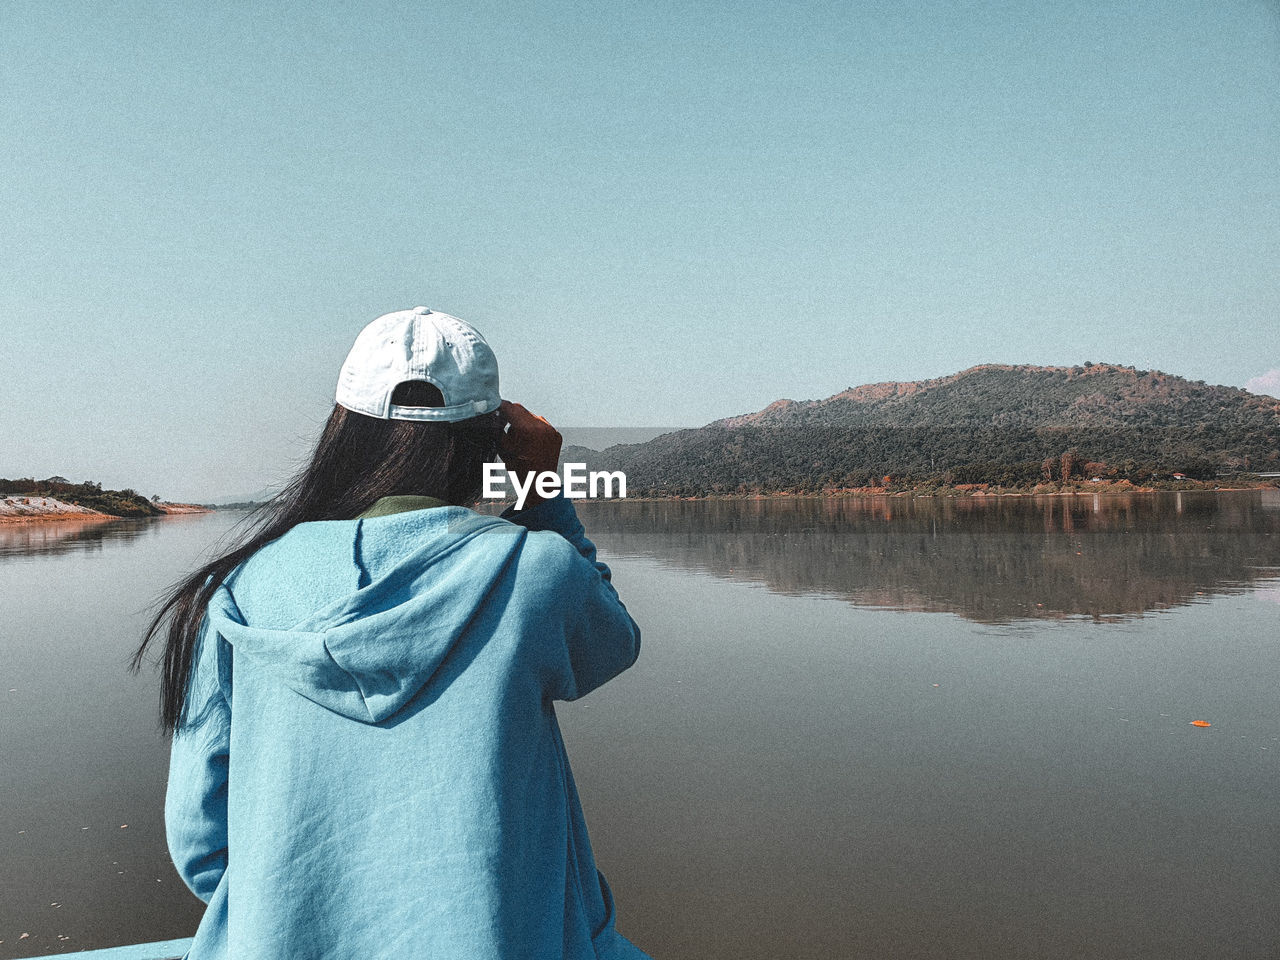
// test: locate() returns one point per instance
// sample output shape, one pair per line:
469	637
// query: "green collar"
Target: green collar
400	502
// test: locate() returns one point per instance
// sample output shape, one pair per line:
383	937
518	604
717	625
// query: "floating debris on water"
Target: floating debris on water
1200	723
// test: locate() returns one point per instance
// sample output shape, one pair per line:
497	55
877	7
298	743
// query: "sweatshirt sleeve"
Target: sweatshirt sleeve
601	638
195	809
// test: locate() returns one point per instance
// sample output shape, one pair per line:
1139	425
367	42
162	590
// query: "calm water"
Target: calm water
881	729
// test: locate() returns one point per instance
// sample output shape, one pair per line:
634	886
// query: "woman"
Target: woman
366	761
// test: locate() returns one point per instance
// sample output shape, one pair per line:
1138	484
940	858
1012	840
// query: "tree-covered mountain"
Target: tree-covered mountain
1009	425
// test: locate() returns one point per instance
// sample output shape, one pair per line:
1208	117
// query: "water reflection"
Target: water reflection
1106	557
58	537
777	778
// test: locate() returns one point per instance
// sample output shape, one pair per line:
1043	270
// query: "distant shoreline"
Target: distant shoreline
968	492
9	520
20	509
1105	488
61	511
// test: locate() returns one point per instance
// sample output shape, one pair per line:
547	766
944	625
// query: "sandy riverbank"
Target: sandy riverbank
183	508
19	509
15	509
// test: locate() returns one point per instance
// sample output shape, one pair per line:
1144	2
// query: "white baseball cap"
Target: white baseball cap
420	344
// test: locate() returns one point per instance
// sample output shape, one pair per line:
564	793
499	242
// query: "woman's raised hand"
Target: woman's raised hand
528	444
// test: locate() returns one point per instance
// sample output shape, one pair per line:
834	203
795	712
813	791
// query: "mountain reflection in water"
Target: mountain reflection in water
995	560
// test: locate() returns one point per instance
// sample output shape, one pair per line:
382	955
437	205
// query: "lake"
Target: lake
886	728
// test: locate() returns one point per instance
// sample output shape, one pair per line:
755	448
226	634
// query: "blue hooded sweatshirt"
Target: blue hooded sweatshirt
371	765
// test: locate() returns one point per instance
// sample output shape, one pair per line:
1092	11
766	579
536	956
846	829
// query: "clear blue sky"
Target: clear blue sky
658	213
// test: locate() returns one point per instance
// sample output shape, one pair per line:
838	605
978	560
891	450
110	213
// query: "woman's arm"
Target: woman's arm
195	809
601	638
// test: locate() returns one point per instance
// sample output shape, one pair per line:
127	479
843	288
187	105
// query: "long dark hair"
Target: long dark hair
357	460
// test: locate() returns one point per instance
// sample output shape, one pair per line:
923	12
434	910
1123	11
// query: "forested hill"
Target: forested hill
1096	396
1009	425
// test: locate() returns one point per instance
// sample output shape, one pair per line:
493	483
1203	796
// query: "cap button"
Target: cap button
421	311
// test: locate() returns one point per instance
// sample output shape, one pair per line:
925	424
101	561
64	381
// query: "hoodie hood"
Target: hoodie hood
369	649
